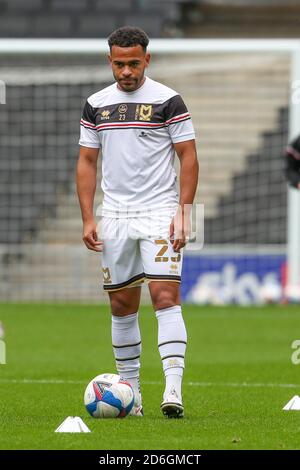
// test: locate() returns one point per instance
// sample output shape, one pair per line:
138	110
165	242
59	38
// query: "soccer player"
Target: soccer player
139	124
292	169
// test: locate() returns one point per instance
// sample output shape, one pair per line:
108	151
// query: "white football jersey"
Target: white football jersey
136	132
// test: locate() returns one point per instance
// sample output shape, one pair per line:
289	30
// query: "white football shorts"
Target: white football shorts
137	249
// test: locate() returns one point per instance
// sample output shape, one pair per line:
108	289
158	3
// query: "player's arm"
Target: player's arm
189	170
292	163
86	180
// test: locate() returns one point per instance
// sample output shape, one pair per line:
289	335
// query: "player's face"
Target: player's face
128	66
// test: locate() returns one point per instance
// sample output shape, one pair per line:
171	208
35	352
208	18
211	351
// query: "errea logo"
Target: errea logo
105	114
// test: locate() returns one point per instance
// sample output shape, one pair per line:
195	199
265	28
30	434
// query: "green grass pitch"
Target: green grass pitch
238	376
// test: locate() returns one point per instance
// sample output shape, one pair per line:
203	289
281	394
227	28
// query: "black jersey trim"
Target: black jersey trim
131	125
163	277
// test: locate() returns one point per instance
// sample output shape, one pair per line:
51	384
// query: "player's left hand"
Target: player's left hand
180	229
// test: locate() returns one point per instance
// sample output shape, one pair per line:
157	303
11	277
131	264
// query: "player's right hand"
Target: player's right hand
90	237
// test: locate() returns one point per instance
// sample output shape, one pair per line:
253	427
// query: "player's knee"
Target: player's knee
163	299
121	306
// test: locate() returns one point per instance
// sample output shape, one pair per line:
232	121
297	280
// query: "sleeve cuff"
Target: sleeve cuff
89	144
183	138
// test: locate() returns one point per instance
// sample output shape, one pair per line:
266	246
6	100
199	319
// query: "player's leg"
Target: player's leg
126	339
122	270
172	339
125	301
162	268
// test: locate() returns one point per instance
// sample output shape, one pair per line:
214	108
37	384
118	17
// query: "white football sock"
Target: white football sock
173	381
126	340
172	339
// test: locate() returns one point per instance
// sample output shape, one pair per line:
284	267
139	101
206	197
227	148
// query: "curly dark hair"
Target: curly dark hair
128	36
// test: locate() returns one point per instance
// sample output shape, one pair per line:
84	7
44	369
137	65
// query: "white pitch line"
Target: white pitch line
233	384
190	384
42	381
242	384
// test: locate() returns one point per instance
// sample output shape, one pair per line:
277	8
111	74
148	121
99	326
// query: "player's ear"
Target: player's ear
147	58
109	59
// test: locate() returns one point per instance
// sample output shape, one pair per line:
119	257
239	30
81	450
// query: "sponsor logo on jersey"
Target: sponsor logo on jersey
105	114
143	112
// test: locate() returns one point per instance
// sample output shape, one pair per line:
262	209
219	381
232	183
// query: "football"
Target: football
107	397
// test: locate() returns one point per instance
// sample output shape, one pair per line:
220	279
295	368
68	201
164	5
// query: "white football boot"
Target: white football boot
172	406
137	409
